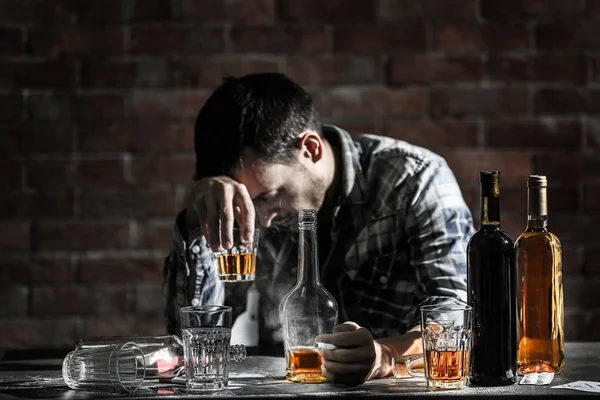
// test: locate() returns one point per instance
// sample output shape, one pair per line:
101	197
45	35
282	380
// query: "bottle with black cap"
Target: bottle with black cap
491	291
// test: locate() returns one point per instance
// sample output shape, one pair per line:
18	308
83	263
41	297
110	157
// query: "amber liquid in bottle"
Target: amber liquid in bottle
540	288
308	310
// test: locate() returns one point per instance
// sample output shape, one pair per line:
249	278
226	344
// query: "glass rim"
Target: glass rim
206	308
446	307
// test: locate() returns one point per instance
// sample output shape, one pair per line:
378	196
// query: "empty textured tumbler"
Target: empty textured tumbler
118	368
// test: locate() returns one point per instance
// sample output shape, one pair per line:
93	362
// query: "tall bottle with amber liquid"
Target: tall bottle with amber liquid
308	310
540	288
491	291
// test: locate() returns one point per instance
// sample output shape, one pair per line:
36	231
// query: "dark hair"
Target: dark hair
264	111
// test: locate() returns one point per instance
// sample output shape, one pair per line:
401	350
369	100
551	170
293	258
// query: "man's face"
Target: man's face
279	191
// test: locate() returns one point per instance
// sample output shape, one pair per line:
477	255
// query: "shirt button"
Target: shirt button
195	301
383	279
195	249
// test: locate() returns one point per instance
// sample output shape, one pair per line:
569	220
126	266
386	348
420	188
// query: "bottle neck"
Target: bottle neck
308	255
490	211
537	210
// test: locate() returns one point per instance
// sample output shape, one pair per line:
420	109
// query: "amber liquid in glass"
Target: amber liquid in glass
447	366
236	267
304	365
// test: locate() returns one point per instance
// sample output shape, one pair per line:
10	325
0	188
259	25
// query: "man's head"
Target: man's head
263	130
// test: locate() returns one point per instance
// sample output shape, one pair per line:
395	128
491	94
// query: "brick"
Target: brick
592	329
126	325
542	133
479	101
162	169
592	139
210	72
430	9
563	199
568	166
153	104
177	40
591	262
64	173
405	38
124	73
546	68
81	235
136	137
18	74
31	138
574	229
111	11
434	134
148	297
334	70
354	128
279	39
15	11
83	300
11	41
15	235
333	10
594	7
86	106
435	69
11	174
11	107
572	265
13	301
570	36
229	10
514	167
128	203
579	292
591	198
519	9
155	235
354	102
111	269
37	205
76	40
566	101
31	333
475	38
32	270
575	325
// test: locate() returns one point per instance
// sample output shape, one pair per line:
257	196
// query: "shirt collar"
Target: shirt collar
354	188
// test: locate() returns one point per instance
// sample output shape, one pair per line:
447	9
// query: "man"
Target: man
392	223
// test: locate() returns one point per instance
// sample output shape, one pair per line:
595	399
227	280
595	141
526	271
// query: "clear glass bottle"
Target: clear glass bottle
308	310
163	355
540	288
491	291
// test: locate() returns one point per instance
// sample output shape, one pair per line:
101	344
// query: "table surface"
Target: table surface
263	377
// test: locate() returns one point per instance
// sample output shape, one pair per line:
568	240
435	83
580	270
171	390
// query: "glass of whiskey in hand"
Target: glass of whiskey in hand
238	263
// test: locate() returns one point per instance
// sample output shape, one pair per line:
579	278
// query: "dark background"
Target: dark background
98	98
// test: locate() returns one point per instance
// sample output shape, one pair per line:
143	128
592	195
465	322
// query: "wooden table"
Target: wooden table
263	377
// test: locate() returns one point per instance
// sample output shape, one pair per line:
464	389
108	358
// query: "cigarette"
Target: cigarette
325	346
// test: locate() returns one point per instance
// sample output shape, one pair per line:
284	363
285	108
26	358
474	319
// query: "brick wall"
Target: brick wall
98	97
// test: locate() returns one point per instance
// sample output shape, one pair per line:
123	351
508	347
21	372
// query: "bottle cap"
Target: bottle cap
490	183
537	181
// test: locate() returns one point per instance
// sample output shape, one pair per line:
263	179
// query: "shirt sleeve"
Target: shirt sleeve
189	275
439	226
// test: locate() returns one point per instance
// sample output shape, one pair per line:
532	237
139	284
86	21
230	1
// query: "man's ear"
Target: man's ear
311	145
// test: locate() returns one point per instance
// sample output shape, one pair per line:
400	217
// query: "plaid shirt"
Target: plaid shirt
398	241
